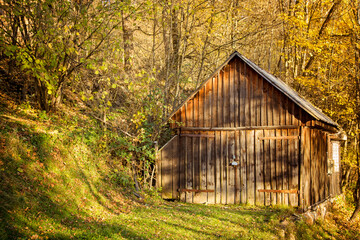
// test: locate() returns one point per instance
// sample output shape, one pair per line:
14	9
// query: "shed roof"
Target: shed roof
277	83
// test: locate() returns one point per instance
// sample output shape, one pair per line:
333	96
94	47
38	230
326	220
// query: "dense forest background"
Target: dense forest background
129	63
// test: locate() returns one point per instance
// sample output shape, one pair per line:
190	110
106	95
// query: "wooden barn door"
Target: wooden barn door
281	163
257	167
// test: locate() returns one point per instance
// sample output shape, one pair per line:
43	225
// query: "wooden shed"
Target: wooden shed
244	136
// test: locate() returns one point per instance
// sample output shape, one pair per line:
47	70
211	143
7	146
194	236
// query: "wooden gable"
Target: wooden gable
240	94
236	97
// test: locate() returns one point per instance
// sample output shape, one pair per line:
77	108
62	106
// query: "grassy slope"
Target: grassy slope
58	181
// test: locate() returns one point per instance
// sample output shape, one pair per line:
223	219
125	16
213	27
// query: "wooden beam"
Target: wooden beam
197	135
239	128
195	190
279	191
279	138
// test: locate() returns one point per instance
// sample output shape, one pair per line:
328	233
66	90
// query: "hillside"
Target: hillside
59	180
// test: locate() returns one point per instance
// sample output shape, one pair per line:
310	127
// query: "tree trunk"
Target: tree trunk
41	95
128	43
24	89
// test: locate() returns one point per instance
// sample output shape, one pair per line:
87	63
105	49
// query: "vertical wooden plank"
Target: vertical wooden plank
287	106
215	111
219	106
182	152
218	150
291	168
322	169
326	166
306	166
186	155
242	94
227	167
251	167
175	168
188	114
259	167
181	155
251	97
201	108
313	166
247	96
238	169
236	90
211	104
270	106
285	145
267	165
231	171
282	112
224	167
206	106
273	166
168	162
263	101
203	158
317	166
301	172
223	98
243	166
210	181
194	110
278	166
296	166
258	104
231	99
227	96
188	170
276	106
197	169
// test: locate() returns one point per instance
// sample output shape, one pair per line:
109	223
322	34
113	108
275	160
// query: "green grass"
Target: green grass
58	180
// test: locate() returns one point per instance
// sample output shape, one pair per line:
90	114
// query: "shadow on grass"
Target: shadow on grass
27	199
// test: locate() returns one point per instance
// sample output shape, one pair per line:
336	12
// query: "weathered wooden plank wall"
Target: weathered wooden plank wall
316	184
204	170
238	97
